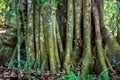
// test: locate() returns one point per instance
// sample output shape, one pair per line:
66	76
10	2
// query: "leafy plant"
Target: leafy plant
102	74
42	1
72	76
2	4
88	76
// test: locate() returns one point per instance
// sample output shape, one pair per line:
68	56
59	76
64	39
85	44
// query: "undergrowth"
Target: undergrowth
72	76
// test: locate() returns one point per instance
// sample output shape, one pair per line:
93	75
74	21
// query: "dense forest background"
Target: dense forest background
60	39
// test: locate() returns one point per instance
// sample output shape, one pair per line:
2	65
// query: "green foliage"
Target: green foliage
72	75
103	74
110	14
19	62
37	63
2	4
43	1
57	1
7	13
88	76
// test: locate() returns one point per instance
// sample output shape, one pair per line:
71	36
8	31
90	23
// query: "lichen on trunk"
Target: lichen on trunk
77	29
69	36
86	60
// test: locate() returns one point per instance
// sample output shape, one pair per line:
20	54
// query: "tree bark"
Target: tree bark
111	45
100	51
86	61
69	36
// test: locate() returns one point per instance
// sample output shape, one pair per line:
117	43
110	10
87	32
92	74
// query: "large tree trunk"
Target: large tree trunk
86	61
69	36
29	38
98	39
110	43
77	29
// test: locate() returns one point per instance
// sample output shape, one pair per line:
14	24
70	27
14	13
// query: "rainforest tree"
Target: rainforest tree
53	34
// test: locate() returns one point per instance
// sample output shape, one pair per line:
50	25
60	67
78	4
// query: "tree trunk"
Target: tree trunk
78	29
118	33
69	36
86	61
111	45
100	51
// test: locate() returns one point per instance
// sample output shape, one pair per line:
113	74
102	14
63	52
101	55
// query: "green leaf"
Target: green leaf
73	75
85	72
1	13
37	62
61	79
103	74
90	77
56	1
78	77
43	1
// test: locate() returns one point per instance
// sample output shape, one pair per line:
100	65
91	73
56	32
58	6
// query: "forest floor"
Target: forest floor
11	74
